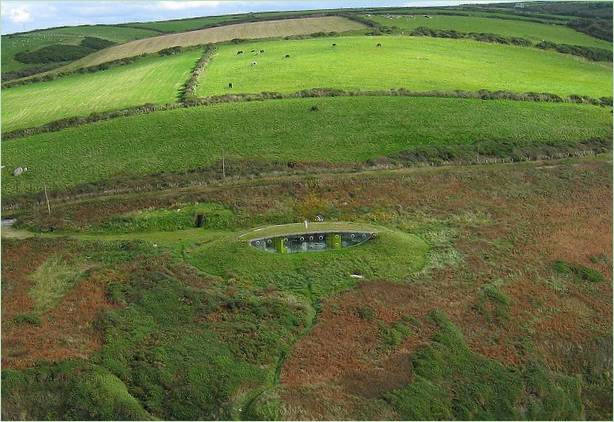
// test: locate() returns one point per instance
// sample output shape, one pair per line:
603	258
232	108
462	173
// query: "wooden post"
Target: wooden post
47	199
223	165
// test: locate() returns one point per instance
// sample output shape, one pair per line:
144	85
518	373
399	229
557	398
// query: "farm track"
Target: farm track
273	180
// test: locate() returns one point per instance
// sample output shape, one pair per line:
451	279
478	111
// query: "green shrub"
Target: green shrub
452	382
394	334
96	43
365	312
578	272
27	319
53	53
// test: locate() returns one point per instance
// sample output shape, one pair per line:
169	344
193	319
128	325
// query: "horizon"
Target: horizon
20	17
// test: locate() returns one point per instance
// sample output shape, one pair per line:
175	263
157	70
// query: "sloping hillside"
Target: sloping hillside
265	29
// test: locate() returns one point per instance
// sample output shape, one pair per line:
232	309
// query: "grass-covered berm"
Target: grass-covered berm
334	131
416	63
486	295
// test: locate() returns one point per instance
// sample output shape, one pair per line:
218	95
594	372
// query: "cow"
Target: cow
262	51
239	52
379	44
334	45
254	63
229	84
19	171
287	56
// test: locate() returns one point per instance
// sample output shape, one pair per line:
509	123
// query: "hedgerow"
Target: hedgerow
187	100
188	92
590	53
92	69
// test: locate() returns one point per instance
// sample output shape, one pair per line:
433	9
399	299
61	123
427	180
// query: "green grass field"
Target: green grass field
150	80
402	62
262	29
31	41
349	129
191	24
513	28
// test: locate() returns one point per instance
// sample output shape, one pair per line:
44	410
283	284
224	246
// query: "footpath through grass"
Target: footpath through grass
153	79
533	31
341	130
417	63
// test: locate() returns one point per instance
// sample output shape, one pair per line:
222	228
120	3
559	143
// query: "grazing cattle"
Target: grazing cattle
229	84
254	63
239	52
334	45
379	44
253	51
19	171
262	51
287	56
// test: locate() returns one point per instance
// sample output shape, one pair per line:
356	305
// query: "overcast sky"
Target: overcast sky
19	16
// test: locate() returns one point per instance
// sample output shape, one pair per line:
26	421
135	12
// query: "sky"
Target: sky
19	15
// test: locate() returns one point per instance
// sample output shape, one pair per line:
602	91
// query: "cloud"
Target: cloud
185	5
16	13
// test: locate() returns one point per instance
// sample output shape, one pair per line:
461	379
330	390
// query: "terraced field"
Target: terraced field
356	63
533	31
266	29
342	130
149	80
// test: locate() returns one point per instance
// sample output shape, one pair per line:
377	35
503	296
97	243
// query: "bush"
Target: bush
188	93
598	28
365	312
578	272
53	54
27	319
170	51
96	43
590	53
452	382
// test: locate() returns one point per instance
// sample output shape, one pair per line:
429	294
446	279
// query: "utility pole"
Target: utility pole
47	199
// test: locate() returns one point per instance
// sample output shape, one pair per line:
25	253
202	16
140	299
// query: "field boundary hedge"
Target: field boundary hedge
188	92
478	153
97	68
590	53
483	94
